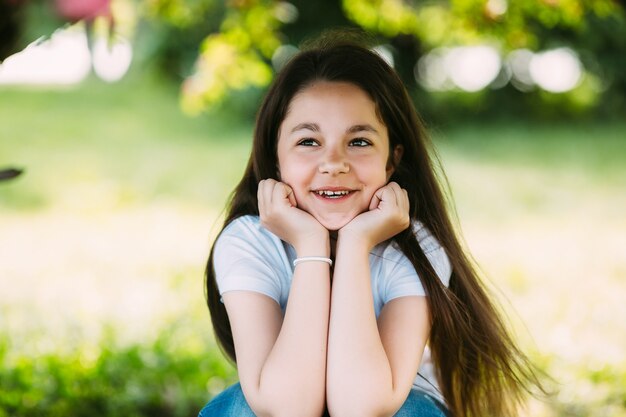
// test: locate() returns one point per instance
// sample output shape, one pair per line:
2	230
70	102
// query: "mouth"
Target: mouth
333	194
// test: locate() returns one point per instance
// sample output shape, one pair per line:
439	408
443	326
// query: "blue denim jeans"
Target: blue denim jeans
231	403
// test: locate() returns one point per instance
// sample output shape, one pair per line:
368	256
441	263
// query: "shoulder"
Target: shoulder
435	253
427	242
247	229
245	237
246	225
246	256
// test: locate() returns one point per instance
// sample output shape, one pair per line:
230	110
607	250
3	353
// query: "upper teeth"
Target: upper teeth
332	193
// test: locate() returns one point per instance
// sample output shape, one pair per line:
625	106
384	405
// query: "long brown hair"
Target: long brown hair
480	369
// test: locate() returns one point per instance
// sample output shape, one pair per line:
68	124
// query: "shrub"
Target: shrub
152	379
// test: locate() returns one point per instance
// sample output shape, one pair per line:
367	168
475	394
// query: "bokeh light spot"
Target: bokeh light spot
282	55
430	71
286	12
470	68
519	61
496	8
61	60
111	61
473	68
557	70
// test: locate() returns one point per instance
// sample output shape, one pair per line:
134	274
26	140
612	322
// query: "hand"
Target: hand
280	214
387	216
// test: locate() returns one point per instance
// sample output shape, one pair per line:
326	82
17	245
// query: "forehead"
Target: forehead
331	101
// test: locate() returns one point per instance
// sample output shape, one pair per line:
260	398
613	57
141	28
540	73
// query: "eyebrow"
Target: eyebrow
362	128
314	127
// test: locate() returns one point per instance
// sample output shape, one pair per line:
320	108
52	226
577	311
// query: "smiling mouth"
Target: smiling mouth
332	194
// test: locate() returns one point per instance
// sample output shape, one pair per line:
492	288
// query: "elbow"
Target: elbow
289	405
286	396
359	407
300	409
283	410
376	402
357	411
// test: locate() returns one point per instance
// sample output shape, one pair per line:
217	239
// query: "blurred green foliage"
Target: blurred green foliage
513	24
161	378
223	50
237	48
233	59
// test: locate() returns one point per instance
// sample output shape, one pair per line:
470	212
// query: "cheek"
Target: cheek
379	175
377	179
288	174
294	176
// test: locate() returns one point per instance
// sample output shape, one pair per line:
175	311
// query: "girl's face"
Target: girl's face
333	151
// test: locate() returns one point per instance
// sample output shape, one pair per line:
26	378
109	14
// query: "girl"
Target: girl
337	283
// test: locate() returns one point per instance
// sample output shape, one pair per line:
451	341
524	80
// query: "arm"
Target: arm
282	361
371	364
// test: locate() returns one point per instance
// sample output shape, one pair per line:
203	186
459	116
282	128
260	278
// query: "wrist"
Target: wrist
353	241
313	246
304	259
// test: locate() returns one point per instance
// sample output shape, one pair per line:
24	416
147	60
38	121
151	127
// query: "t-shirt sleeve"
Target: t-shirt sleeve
242	260
401	279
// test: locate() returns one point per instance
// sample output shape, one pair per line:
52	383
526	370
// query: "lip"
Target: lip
334	199
315	190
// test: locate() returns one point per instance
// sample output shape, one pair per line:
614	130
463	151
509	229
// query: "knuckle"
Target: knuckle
403	220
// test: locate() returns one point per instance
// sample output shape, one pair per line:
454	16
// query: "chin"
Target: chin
335	223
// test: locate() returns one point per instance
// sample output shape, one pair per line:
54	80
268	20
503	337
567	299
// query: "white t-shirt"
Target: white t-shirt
249	257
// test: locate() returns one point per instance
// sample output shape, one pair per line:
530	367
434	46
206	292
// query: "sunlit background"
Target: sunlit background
124	125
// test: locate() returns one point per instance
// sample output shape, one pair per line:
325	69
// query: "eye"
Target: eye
360	142
307	142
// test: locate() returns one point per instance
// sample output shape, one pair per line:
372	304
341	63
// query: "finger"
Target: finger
388	194
375	201
286	193
280	194
259	196
401	198
268	191
291	196
397	192
265	196
406	205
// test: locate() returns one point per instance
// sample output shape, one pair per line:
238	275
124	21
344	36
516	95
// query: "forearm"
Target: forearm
359	376
293	378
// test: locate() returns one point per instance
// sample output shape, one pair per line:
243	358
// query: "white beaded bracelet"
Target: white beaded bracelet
312	259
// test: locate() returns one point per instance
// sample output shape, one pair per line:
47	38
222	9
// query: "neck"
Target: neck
333	243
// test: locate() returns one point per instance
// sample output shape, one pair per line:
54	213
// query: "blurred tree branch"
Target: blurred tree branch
237	53
214	47
9	173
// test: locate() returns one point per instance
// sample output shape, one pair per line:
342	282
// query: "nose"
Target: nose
334	161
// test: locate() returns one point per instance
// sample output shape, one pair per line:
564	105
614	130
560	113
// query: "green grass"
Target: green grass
104	238
131	136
